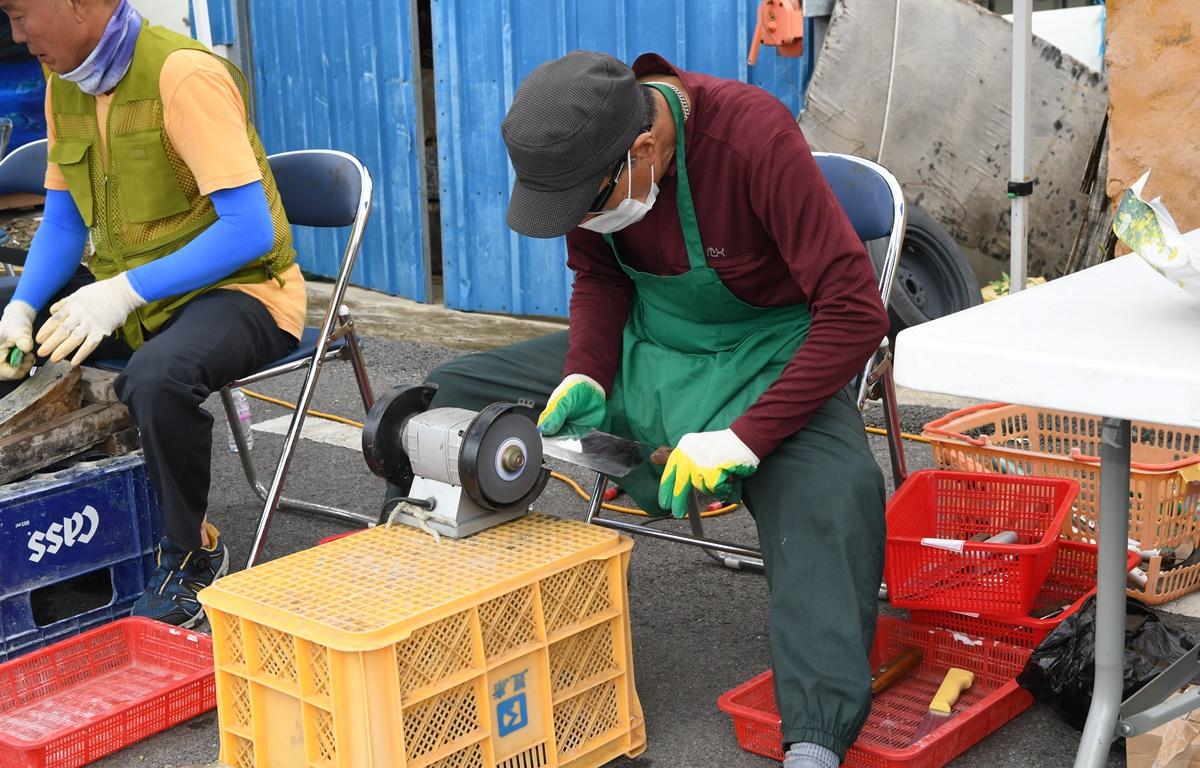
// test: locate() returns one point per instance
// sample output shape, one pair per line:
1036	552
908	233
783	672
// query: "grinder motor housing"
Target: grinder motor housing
462	471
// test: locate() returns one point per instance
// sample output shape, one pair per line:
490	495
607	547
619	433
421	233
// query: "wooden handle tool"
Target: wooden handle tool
894	669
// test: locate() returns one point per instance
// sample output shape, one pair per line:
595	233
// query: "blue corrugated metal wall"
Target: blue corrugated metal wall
341	76
481	54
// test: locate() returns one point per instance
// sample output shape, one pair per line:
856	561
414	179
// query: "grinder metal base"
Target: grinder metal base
464	517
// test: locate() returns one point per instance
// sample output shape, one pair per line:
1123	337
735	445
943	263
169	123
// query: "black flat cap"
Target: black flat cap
570	122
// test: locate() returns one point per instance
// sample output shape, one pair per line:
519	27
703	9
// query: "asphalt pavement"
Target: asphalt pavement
699	629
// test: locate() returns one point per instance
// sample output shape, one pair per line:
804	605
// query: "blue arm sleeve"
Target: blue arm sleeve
55	252
242	232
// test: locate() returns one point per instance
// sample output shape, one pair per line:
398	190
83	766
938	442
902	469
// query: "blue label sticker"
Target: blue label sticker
512	715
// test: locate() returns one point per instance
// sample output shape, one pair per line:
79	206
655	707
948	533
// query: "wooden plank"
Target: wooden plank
32	449
53	391
121	443
948	119
98	386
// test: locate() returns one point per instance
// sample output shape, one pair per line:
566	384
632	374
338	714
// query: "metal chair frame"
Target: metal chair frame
6	129
875	382
22	170
336	325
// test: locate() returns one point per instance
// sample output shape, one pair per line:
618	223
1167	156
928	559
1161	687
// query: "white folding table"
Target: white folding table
1117	341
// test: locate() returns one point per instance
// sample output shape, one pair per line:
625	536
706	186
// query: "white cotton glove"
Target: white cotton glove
82	320
16	333
706	461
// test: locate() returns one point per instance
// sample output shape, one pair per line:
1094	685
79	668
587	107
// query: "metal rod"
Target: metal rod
678	538
1152	706
356	360
597	497
275	491
728	559
1100	729
1022	114
891	420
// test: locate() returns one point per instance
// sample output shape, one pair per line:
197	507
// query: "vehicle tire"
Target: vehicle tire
933	279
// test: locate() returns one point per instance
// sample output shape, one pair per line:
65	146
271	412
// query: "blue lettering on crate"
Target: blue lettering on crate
512	715
517	680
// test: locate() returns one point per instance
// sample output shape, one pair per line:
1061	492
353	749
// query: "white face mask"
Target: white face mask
628	211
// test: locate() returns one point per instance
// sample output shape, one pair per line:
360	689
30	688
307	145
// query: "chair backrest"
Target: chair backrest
863	189
321	187
24	169
873	201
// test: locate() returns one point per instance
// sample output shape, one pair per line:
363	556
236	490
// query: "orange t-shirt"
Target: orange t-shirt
205	118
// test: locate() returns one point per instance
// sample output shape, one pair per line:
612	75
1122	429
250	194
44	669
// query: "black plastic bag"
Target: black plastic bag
1061	670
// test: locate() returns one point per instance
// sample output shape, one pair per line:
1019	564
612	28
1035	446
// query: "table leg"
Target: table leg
1113	524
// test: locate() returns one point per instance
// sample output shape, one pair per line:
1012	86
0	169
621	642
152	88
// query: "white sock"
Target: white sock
804	754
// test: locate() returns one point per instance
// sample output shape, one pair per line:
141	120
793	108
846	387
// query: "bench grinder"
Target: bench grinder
463	471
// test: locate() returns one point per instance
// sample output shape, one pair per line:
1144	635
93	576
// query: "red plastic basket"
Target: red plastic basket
886	739
1071	581
91	695
931	564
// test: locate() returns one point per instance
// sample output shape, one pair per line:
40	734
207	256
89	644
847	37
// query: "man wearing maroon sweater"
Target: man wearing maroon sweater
722	304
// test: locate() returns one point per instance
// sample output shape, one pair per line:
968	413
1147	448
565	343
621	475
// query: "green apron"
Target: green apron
694	356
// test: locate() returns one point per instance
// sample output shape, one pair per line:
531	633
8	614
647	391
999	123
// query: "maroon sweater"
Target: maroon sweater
772	230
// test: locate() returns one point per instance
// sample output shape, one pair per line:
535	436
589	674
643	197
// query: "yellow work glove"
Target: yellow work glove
16	333
577	402
80	322
707	462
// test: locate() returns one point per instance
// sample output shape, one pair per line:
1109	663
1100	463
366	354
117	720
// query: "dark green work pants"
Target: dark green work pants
818	500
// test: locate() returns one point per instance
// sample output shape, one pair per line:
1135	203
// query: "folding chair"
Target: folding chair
6	127
319	188
874	203
21	171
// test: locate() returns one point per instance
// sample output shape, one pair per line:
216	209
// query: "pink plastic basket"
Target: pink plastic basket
931	562
74	702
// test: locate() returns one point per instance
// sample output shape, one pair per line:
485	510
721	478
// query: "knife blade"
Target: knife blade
598	451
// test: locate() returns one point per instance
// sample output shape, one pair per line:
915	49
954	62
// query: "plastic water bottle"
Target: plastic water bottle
242	405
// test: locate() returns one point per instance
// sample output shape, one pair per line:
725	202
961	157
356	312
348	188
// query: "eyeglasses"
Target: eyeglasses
602	198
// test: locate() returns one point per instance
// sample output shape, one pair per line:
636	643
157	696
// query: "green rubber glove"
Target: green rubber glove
706	461
577	402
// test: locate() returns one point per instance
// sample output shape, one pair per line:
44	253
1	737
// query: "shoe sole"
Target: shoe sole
199	617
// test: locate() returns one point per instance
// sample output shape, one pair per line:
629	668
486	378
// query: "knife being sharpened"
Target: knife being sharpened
598	451
941	708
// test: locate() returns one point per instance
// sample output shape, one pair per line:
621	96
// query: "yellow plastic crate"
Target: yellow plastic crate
385	649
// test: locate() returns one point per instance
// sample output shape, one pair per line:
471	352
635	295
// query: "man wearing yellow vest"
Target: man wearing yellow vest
157	173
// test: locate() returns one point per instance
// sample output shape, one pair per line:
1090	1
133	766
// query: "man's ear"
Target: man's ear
643	148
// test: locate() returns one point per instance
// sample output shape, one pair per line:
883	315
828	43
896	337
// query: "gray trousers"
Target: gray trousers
818	502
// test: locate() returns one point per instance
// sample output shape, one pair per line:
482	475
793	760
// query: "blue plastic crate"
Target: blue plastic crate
90	517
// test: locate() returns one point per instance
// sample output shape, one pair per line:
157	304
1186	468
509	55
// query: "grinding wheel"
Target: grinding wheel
501	459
